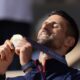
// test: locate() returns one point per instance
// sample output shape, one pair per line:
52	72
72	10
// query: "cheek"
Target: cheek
39	32
59	32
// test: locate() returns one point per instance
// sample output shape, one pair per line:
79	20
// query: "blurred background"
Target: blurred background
25	17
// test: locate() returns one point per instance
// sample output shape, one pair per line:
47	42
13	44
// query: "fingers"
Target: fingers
25	54
3	51
6	56
9	45
20	44
2	55
6	50
17	50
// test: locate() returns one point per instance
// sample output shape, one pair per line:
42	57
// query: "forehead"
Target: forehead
58	19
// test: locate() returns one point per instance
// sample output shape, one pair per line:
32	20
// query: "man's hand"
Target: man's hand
24	50
6	56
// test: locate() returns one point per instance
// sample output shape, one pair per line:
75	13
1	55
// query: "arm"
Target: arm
6	57
24	51
32	72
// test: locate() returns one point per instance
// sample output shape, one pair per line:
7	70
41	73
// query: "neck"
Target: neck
43	56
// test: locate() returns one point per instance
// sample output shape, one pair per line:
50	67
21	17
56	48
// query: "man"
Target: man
58	32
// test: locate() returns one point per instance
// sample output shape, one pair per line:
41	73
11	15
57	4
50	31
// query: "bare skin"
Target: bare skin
52	34
6	56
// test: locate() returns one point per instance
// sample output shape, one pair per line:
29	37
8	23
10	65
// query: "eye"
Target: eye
56	25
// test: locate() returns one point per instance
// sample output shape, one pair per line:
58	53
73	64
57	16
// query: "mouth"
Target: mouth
43	37
44	34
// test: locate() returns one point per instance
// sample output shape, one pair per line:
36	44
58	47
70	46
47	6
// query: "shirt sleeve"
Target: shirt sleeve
31	75
34	73
31	72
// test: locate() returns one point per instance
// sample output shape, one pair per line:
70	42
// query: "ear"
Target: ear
69	42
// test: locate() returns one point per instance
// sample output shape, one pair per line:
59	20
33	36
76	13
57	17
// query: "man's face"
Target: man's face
53	32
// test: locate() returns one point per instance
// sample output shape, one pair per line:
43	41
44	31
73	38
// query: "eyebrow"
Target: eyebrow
50	22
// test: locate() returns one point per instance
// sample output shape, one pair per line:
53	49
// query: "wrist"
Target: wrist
2	72
28	66
25	60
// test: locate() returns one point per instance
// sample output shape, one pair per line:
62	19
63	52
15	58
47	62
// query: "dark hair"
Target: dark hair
72	26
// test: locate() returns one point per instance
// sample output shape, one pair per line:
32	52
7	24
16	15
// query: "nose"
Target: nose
47	27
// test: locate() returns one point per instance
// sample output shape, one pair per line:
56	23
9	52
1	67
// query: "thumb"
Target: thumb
17	50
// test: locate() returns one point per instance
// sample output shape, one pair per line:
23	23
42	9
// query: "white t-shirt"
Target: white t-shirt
19	10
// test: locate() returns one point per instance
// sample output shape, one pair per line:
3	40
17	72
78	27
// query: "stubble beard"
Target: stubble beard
46	41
